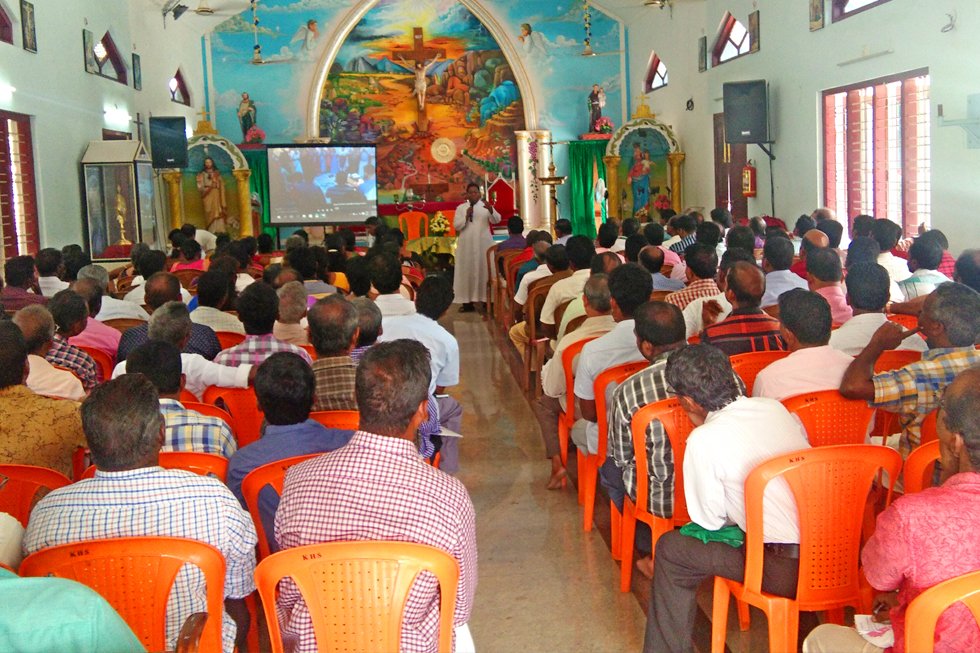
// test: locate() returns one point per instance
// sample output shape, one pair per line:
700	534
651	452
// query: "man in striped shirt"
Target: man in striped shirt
132	496
747	328
702	264
396	496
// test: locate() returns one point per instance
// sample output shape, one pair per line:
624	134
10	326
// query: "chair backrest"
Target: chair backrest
748	366
229	338
907	321
102	359
491	256
568	355
123	286
309	349
927	430
830	485
243	406
203	464
271	474
500	261
536	295
893	359
616	374
188	279
575	323
211	411
560	311
924	611
338	419
919	467
356	591
659	295
135	575
414	224
830	418
677	425
19	485
124	324
511	268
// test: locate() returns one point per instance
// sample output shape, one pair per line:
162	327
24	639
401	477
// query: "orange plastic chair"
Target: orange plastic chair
566	419
887	423
271	474
19	485
748	366
204	464
244	408
356	592
309	349
907	321
135	575
677	425
588	464
102	359
229	339
338	419
927	430
925	609
414	224
919	467
830	537
830	418
211	411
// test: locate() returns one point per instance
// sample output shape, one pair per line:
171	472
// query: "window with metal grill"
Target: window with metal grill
876	149
18	196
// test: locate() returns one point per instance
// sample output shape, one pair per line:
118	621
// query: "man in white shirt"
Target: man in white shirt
148	264
433	299
604	263
733	435
563	231
212	299
172	323
887	234
867	293
925	255
556	260
630	287
207	240
777	258
386	277
694	312
812	365
580	251
37	325
50	266
112	308
553	401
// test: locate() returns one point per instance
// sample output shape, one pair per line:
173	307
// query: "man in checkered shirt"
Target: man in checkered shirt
70	313
186	430
395	497
132	496
258	308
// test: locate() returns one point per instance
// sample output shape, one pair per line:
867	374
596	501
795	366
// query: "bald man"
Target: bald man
652	258
37	325
747	328
812	240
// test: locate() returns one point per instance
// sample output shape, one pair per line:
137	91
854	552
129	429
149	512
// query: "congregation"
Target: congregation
668	357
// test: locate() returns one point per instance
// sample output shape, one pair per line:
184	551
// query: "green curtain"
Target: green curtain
258	183
582	157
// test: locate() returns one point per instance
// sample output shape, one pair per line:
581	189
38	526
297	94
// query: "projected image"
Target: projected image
322	184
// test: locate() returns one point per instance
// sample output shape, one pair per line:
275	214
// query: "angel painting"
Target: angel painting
532	42
306	36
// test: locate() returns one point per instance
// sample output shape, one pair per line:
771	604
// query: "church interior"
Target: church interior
95	96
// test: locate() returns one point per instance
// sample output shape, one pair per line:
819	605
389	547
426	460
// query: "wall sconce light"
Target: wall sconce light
117	116
6	92
101	54
173	88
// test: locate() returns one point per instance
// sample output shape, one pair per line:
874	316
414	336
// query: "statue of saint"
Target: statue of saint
246	114
597	100
212	190
122	212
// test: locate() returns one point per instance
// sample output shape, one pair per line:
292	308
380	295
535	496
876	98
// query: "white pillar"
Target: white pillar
534	205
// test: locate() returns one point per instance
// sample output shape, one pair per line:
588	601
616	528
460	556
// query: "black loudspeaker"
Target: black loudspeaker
746	107
168	142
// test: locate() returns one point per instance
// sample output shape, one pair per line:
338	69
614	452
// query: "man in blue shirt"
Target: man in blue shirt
284	387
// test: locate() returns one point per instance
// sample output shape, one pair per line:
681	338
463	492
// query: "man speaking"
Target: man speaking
472	222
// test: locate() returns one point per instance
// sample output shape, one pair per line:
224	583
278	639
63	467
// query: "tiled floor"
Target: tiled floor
545	585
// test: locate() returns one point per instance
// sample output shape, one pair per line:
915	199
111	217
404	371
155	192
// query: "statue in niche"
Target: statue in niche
246	114
212	190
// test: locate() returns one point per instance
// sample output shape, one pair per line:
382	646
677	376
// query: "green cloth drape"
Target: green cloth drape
258	183
583	156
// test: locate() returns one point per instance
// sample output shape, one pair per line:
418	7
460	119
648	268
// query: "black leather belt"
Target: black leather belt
783	550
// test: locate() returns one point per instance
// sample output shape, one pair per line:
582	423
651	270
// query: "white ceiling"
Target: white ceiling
201	23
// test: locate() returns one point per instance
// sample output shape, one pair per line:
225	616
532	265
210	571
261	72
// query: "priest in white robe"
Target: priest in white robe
472	221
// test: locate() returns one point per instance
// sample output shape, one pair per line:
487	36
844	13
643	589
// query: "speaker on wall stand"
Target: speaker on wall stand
168	141
746	112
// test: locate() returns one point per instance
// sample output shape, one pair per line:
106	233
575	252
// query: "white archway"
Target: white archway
347	23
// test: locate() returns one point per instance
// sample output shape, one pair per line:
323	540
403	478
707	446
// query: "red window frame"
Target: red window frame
17	194
113	58
839	9
876	149
724	37
654	79
6	27
181	95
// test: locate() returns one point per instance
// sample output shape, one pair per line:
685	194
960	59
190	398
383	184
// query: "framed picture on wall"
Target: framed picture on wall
27	29
816	15
88	43
702	54
754	31
137	73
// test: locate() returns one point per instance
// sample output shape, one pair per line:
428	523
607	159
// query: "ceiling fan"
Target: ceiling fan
660	4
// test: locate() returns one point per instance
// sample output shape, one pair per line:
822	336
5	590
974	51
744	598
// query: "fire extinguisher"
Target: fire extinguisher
748	180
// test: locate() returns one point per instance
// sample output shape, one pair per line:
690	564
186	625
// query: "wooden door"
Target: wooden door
729	160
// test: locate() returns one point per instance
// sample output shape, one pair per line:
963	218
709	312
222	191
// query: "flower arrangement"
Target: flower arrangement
604	125
439	225
661	202
532	168
254	134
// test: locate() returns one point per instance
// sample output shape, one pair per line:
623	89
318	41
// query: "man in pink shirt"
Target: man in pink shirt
95	334
928	537
824	275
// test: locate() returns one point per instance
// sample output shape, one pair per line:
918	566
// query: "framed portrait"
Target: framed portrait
27	28
816	15
88	42
702	54
754	31
137	73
